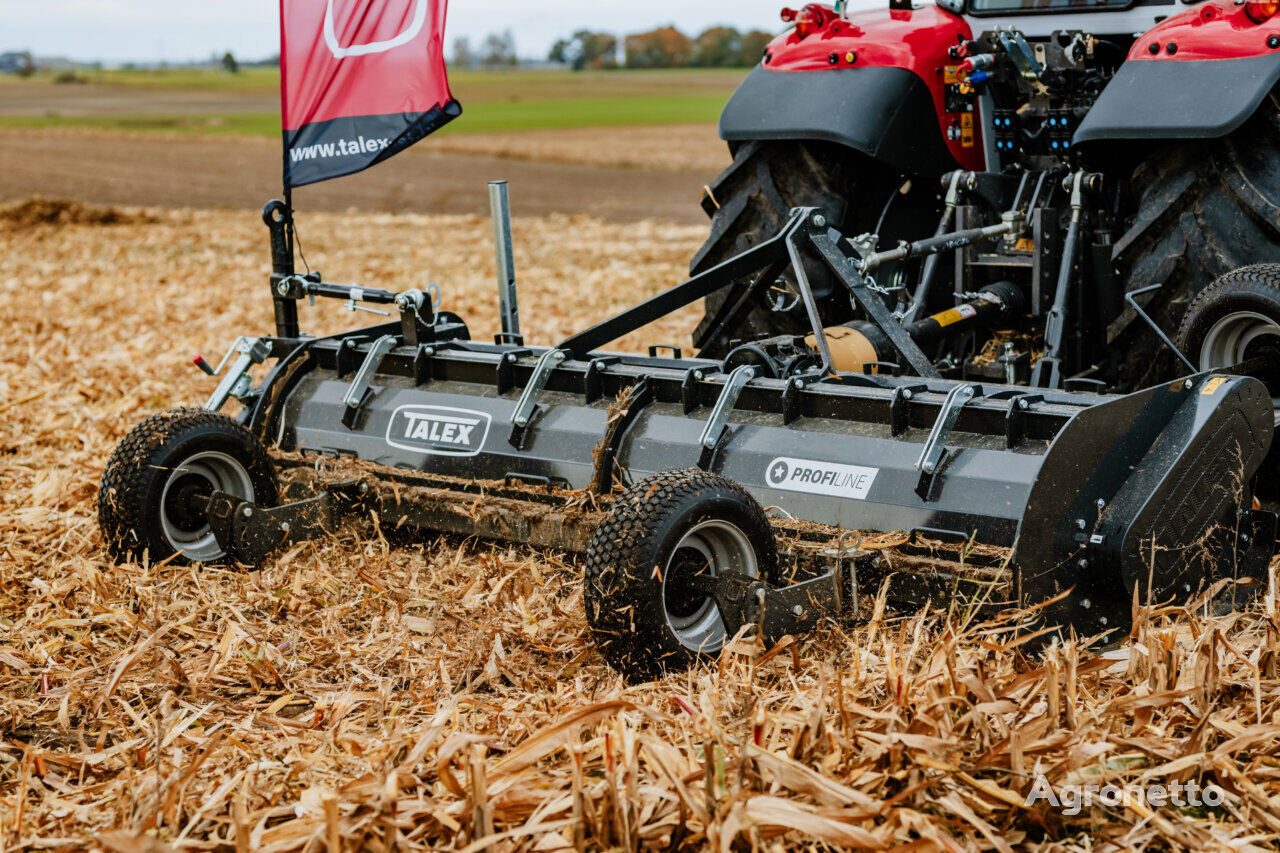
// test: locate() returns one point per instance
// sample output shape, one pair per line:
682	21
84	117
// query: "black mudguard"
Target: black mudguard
1154	100
886	113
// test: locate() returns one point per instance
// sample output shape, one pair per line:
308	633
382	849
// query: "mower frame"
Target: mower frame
1076	483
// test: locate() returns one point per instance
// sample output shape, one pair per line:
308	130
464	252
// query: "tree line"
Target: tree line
665	47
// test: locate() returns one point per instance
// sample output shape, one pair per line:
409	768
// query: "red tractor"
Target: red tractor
1130	147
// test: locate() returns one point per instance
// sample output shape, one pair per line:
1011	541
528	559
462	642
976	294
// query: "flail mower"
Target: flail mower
825	389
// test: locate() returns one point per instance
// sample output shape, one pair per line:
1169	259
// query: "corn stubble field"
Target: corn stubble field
441	694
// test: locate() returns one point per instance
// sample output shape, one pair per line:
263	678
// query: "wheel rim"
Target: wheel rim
1239	337
182	521
707	549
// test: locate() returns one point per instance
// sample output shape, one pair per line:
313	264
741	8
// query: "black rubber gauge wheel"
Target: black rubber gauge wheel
666	530
159	479
1235	320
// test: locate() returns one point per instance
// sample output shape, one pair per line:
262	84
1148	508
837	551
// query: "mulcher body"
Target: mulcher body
1099	496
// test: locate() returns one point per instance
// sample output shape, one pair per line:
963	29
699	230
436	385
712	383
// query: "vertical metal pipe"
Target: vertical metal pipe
508	309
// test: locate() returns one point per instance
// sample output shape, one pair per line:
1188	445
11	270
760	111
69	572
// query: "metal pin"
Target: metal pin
504	252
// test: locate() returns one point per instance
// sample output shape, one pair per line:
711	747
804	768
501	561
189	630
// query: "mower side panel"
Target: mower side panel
852	476
1142	491
1197	75
875	82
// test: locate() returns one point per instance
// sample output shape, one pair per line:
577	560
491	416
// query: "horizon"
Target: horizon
149	32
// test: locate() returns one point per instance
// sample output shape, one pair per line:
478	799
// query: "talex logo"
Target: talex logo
438	430
365	16
825	478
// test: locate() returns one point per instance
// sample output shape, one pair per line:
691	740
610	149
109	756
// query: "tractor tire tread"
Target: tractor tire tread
1204	209
751	200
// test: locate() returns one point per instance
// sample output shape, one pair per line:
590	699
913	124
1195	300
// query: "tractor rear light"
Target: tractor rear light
813	18
1261	11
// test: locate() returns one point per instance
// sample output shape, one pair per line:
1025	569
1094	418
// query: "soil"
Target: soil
175	170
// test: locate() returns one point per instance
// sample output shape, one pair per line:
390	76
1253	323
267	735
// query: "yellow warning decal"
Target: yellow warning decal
966	130
1211	387
951	74
955	315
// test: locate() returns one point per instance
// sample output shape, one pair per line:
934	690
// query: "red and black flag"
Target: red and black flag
361	80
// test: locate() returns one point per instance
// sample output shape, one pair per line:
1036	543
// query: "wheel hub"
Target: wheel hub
1244	336
707	550
184	501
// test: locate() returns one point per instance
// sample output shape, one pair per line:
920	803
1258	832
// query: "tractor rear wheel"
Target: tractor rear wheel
752	200
1203	210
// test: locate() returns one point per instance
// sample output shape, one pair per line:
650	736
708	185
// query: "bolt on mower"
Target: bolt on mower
996	389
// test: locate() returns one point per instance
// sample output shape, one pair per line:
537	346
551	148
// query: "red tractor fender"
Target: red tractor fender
1217	30
879	81
1200	74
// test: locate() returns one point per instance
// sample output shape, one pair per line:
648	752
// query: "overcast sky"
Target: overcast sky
174	30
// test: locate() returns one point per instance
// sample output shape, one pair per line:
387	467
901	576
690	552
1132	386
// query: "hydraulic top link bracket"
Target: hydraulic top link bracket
935	446
360	389
522	417
713	432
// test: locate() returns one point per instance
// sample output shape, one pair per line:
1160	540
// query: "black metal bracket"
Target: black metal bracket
776	611
846	268
689	400
791	408
593	386
900	407
1015	418
417	318
248	533
506	369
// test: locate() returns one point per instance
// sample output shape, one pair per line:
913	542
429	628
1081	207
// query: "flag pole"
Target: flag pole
278	216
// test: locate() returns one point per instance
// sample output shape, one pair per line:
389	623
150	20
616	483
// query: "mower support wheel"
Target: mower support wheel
662	536
1237	319
155	490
